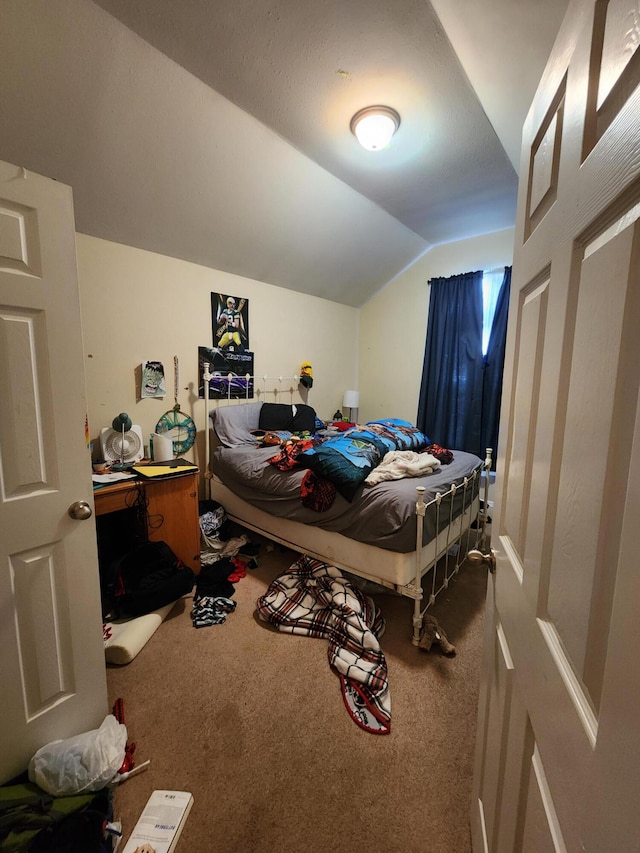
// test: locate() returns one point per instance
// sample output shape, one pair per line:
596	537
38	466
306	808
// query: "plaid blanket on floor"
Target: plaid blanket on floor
314	599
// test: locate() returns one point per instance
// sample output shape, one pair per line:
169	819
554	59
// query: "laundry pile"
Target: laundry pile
315	599
226	555
211	610
219	536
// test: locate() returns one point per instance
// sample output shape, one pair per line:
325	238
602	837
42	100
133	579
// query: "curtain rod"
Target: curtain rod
487	272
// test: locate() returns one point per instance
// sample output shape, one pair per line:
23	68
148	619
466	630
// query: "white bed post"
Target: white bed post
417	608
206	376
485	509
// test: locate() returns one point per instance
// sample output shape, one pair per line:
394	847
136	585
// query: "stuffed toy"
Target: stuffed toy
306	375
271	438
432	633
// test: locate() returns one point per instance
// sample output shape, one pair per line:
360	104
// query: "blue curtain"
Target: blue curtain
450	404
493	367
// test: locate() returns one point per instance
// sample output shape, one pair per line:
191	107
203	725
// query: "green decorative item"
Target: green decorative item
179	426
181	429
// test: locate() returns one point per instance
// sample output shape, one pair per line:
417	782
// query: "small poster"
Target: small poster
153	383
230	322
231	373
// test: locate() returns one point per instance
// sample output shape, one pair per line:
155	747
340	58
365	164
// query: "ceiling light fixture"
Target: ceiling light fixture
374	126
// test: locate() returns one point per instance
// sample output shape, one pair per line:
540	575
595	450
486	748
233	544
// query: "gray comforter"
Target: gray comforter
381	514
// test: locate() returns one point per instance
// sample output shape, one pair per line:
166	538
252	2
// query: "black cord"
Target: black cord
137	499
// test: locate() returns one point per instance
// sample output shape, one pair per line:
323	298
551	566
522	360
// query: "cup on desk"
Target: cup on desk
101	467
162	448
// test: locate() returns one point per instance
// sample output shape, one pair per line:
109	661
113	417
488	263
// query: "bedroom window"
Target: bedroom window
461	386
491	284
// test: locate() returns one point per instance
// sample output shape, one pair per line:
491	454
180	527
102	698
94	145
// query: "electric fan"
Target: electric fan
122	444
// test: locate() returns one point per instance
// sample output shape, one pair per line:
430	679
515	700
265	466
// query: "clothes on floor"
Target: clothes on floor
219	537
239	570
216	549
214	588
213	579
211	521
315	599
211	610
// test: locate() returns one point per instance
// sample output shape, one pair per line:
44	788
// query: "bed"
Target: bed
391	533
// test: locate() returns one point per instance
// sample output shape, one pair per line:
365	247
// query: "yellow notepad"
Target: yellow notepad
165	469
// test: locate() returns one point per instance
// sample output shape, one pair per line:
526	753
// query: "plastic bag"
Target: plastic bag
83	763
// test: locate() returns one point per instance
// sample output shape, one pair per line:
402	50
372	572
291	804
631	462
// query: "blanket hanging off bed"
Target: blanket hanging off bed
314	599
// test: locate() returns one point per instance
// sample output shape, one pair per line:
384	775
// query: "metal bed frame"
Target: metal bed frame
402	573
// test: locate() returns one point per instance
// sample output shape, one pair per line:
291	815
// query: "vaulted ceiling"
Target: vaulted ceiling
219	132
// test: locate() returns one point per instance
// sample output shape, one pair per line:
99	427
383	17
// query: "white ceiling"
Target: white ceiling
256	172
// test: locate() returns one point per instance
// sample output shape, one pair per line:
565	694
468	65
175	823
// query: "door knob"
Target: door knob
80	510
478	557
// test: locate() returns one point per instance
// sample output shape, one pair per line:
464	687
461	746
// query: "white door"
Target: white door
558	747
52	668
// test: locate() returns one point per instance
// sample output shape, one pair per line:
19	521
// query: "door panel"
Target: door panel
614	782
615	65
603	377
497	724
541	830
544	162
43	627
25	469
558	744
530	328
52	667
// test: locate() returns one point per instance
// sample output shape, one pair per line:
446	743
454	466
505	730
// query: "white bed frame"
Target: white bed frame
401	572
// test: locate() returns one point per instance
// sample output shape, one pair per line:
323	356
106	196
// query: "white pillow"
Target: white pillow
233	423
124	638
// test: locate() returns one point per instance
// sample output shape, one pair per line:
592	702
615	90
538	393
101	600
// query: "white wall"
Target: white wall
138	305
393	324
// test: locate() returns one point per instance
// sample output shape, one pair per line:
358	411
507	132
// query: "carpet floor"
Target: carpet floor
253	724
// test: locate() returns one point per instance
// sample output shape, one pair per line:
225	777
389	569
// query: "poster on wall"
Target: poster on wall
153	383
229	371
230	322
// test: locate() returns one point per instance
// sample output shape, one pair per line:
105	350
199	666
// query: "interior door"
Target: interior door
558	744
52	668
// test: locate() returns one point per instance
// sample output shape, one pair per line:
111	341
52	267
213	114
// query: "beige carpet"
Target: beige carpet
252	722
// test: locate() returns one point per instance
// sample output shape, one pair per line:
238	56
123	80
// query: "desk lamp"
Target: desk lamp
351	401
121	423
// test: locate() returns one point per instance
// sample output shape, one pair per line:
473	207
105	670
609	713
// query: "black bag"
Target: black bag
148	577
32	820
83	830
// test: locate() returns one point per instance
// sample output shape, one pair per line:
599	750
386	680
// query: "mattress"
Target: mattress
383	515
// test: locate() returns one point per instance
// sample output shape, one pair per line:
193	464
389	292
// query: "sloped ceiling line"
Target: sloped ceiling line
223	138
